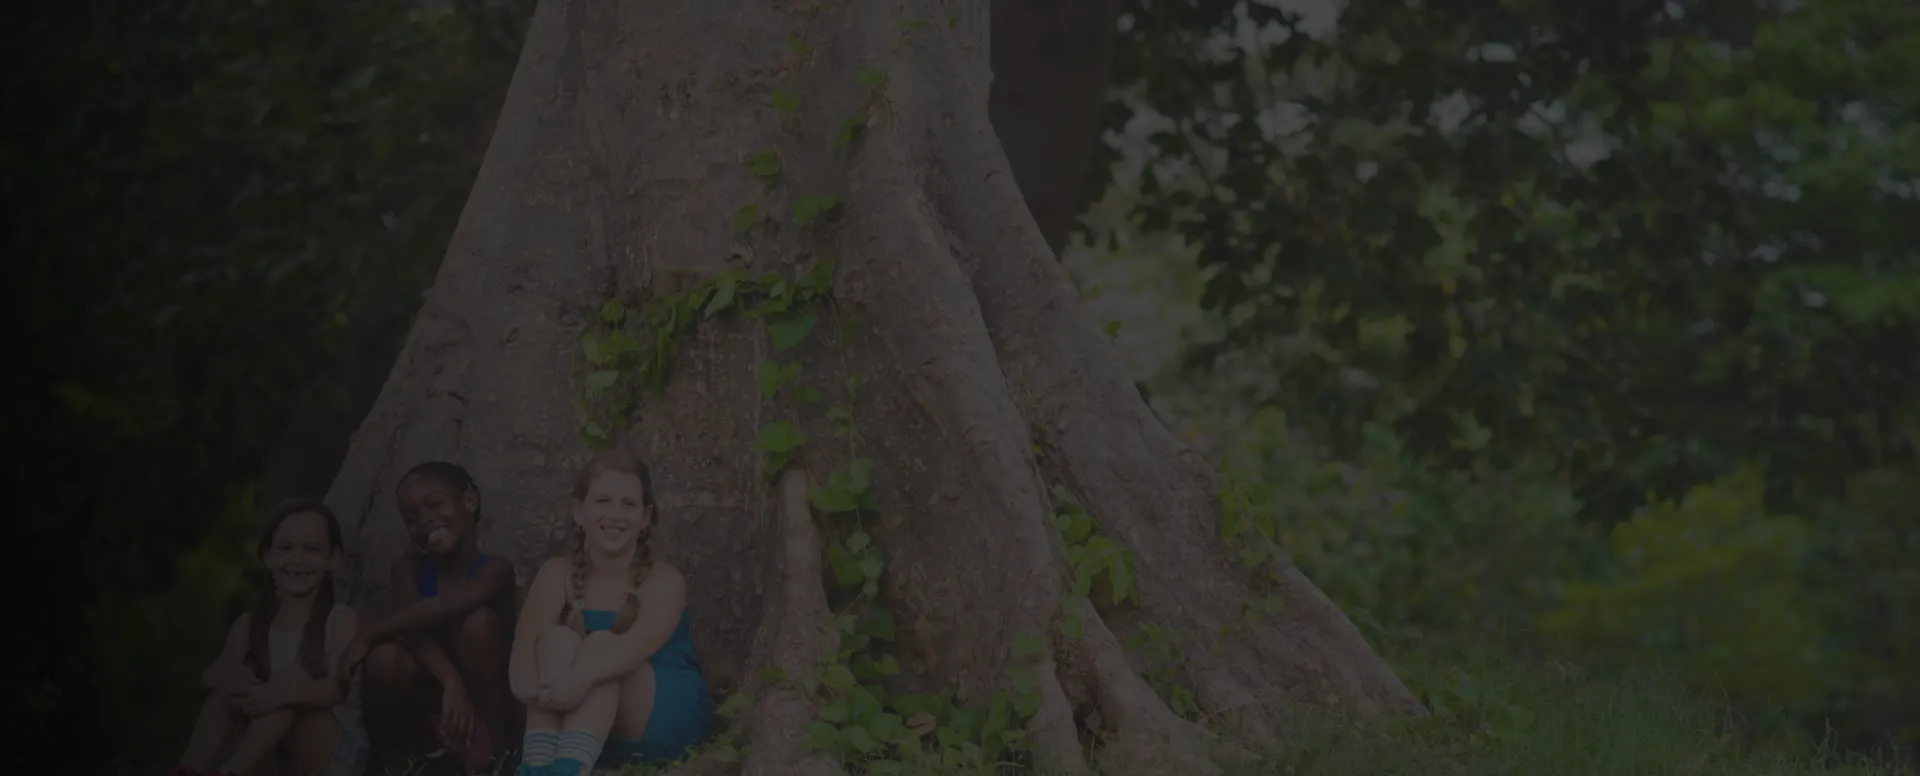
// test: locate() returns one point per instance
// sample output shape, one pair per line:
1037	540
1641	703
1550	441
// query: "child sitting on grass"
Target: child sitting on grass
436	666
274	704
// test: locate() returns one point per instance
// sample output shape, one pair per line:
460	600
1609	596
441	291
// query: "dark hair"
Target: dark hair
313	640
614	460
454	475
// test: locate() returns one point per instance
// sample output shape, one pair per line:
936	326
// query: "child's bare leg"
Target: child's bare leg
480	650
636	703
391	692
215	728
314	740
258	742
553	653
584	730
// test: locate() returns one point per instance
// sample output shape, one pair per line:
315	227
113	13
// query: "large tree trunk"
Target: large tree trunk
617	170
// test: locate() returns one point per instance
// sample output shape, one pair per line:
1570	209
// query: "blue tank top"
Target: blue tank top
429	583
676	653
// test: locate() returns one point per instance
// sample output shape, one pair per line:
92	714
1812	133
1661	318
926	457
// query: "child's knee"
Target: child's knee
391	663
483	628
596	641
557	646
640	679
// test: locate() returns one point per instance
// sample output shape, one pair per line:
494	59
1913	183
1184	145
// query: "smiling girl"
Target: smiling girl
436	664
603	657
274	706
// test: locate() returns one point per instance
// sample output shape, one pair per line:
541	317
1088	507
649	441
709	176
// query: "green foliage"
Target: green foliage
1565	246
1102	569
1716	583
210	201
1497	713
1397	543
1505	278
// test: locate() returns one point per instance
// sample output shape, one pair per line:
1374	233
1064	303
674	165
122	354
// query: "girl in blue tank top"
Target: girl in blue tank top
435	664
603	656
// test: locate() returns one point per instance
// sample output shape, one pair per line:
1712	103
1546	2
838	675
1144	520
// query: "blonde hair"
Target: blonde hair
614	461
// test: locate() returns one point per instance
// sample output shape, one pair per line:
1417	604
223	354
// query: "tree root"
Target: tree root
1056	739
776	726
1146	737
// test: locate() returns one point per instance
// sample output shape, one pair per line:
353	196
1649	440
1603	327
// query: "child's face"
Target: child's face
437	515
300	555
613	512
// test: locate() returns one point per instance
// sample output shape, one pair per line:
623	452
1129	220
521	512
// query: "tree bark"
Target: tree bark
617	170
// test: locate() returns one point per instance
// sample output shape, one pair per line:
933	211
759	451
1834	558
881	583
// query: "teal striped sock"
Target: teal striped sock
540	748
580	746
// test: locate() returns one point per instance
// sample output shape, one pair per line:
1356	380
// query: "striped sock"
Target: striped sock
579	746
540	748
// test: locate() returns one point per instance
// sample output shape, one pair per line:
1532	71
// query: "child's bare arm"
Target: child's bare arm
435	661
229	673
546	596
412	613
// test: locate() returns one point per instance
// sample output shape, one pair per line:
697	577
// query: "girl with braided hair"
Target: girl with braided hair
436	664
274	706
603	658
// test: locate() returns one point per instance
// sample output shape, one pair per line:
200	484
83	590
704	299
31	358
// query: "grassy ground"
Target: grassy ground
1497	715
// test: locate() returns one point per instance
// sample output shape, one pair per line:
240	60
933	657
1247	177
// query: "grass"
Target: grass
1495	714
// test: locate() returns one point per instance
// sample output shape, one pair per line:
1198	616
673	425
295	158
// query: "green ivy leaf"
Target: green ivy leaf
849	130
833	712
879	624
832	500
765	164
746	218
839	678
822	736
779	437
861	740
842	421
599	382
872	77
785	103
735	705
808	208
846	568
772	376
789	331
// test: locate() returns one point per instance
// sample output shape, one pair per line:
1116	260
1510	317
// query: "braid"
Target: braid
313	642
642	565
577	585
617	459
